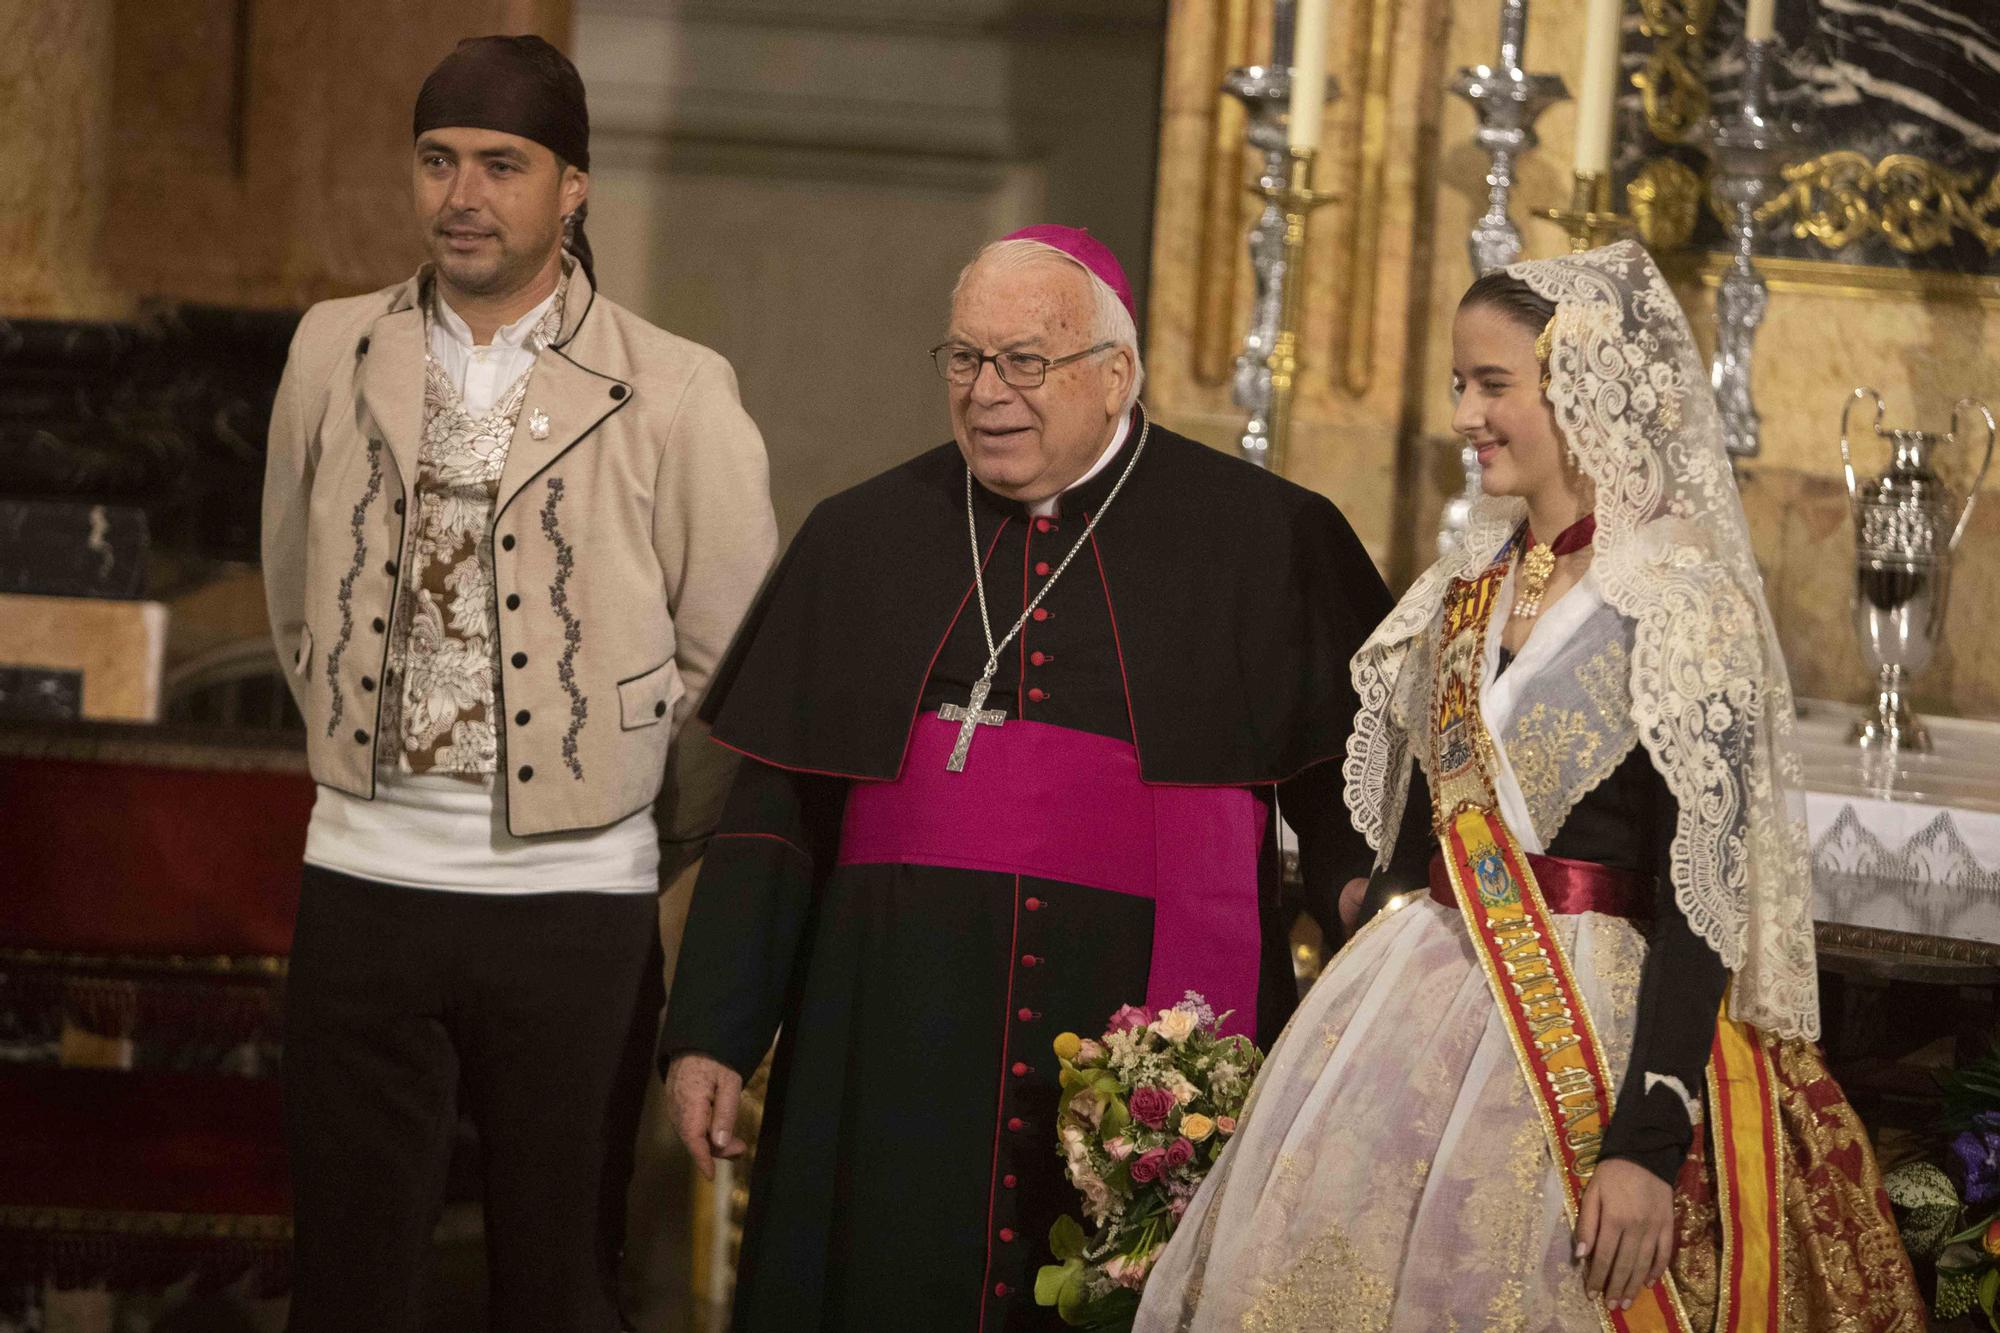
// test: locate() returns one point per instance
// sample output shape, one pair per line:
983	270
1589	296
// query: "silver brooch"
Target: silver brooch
538	424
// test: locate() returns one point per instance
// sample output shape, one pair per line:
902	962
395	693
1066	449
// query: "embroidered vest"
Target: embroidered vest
444	663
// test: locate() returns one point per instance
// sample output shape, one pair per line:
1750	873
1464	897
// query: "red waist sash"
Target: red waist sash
1569	887
1067	805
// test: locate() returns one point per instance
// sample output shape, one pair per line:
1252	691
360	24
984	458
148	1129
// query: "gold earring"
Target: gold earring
1545	349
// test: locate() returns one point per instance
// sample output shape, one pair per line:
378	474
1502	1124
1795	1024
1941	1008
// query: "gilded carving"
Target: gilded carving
1664	199
1671	87
1913	203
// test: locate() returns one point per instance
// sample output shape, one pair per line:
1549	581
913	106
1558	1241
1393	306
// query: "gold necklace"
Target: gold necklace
1538	562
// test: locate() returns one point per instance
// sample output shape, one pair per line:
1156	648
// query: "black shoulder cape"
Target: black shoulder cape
1238	599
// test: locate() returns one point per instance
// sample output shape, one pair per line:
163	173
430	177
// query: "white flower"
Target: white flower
1176	1025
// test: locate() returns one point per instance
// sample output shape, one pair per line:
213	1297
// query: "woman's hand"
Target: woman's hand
1625	1228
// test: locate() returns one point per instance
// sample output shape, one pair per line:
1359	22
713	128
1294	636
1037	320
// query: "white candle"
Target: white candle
1308	74
1760	22
1597	102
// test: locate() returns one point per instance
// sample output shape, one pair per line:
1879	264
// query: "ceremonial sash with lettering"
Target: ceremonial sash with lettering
1547	1022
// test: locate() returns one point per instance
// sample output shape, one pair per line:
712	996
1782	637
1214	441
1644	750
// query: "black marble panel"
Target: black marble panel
40	694
61	548
167	415
1880	78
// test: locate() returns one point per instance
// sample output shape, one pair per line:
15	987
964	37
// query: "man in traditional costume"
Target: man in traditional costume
509	530
1521	1100
1020	716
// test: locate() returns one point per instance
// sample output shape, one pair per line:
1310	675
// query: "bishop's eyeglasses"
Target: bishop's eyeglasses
958	364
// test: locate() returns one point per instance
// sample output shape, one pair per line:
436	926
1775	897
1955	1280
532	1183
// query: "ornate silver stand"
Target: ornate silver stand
1266	91
1508	101
1908	522
1749	147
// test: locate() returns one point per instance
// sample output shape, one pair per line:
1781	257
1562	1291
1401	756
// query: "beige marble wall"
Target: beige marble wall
1368	259
55	119
200	150
1386	454
797	184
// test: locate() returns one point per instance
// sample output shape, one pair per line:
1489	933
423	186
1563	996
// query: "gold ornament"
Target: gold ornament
1914	204
1536	568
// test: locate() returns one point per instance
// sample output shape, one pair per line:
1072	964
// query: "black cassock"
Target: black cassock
907	1173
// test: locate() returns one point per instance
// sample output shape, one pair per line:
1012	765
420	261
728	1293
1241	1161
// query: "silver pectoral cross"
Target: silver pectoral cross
975	714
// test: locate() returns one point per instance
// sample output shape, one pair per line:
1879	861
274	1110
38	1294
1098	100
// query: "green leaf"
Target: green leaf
1115	1119
1919	1185
1959	1257
1066	1238
1987	1290
1073	1300
1050	1279
1927	1204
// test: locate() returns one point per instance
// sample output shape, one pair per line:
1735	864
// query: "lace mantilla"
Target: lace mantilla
1710	694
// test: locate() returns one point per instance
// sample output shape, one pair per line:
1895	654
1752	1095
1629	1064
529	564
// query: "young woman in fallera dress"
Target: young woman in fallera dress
1573	1086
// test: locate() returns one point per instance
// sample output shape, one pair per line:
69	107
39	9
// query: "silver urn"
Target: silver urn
1907	523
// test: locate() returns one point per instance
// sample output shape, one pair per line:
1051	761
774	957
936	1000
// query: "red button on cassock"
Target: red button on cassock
1029	960
1009	1181
1024	1014
1020	1068
1042	568
1038	694
1014	1124
1033	904
1001	1289
1041	525
1038	658
1007	1234
1041	613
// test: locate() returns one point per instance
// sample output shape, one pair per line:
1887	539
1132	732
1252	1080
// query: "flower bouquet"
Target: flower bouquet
1145	1111
1950	1213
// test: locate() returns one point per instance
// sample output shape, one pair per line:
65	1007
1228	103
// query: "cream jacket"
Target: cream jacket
627	544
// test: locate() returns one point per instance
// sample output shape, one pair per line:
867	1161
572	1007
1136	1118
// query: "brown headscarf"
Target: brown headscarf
516	85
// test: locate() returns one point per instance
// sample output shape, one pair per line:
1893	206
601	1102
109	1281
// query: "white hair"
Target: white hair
1110	321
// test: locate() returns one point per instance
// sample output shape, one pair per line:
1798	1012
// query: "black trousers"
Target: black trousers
536	1015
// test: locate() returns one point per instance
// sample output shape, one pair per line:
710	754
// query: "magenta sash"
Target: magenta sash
1067	805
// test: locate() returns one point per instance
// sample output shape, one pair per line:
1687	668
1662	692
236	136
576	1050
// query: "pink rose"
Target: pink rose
1178	1206
1129	1272
1149	1106
1120	1148
1130	1018
1148	1166
1179	1153
1226	1123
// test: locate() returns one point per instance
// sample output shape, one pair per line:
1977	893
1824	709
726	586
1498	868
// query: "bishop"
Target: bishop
1149	640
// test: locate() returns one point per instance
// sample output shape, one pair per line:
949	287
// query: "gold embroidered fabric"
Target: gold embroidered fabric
1572	724
1710	695
445	663
1395	1178
1844	1266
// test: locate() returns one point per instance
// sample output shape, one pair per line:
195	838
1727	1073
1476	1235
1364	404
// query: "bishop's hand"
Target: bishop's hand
702	1094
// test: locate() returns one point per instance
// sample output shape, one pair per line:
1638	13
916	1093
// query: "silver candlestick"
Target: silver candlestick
1266	91
1749	146
1508	101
